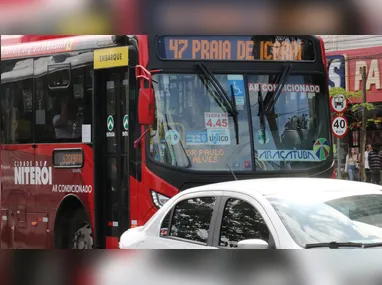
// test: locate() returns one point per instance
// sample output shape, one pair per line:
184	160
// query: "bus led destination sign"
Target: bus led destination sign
68	158
236	48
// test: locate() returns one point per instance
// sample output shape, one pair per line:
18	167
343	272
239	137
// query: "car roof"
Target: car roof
286	186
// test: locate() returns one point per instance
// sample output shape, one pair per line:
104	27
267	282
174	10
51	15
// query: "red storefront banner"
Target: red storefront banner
344	71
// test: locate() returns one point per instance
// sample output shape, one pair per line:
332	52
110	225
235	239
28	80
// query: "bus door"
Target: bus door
111	145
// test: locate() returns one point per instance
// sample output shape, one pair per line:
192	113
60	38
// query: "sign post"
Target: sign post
339	176
339	104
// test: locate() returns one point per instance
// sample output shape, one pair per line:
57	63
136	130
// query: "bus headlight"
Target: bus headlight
158	199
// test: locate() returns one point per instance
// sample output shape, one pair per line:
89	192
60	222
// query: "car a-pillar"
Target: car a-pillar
72	228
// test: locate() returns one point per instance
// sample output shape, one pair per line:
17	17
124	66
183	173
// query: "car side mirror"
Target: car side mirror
252	244
146	106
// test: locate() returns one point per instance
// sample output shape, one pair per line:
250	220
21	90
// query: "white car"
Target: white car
272	213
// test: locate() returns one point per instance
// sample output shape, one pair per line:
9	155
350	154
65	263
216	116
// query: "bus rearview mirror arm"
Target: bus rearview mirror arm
146	101
146	111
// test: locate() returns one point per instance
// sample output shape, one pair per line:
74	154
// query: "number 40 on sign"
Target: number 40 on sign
339	126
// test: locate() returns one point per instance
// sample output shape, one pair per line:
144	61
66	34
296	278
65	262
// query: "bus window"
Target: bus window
60	113
193	130
16	100
296	124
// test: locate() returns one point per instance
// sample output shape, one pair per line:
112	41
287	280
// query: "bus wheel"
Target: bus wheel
81	235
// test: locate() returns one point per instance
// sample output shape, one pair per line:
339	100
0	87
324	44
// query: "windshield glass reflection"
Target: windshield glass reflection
193	130
308	220
294	134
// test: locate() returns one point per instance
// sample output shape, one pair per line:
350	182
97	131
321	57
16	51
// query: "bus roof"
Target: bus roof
7	40
51	46
11	40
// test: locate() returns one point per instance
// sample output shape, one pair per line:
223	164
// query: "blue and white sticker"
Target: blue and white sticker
172	137
262	137
219	137
237	82
196	138
287	155
163	146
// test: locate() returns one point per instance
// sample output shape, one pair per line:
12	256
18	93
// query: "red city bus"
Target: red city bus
98	132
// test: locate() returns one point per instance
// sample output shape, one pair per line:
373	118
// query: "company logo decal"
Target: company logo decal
39	173
218	137
28	174
320	152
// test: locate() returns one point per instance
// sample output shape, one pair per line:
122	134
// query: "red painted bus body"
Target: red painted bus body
88	189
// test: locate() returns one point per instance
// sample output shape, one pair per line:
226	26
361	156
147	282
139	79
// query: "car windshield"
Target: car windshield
194	131
312	219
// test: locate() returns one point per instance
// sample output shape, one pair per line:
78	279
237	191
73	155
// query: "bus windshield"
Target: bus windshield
194	131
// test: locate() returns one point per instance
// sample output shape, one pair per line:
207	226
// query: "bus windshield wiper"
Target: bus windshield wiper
223	98
235	119
335	245
280	85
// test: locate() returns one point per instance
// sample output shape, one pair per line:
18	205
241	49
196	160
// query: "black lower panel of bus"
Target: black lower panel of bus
185	179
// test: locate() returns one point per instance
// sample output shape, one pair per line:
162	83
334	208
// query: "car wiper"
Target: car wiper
280	85
373	244
229	104
335	245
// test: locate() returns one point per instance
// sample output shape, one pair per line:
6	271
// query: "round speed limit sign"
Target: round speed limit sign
339	126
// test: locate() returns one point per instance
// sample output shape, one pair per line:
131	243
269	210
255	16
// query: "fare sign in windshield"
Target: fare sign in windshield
236	48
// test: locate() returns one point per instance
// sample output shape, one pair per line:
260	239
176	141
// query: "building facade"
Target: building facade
346	55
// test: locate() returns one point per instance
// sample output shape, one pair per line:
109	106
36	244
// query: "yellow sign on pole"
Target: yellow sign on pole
111	57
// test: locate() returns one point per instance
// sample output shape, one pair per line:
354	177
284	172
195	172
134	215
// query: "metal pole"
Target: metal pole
363	128
339	176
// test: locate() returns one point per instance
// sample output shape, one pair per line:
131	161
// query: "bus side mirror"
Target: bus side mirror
146	106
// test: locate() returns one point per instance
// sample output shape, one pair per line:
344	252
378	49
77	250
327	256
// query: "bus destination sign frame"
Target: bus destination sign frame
68	158
236	48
